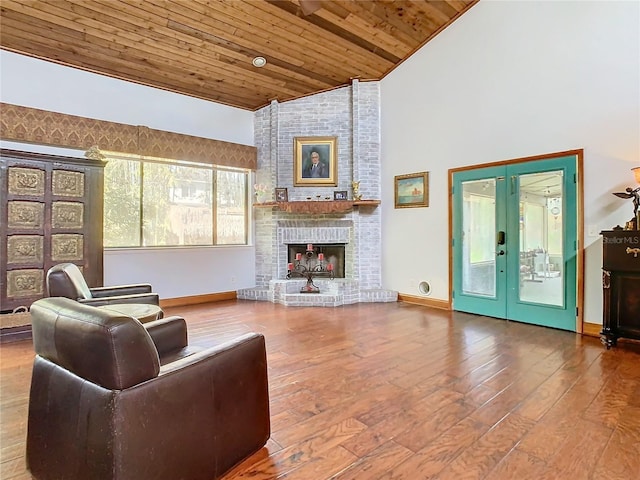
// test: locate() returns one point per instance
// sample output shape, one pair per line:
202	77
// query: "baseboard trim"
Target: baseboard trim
14	334
426	302
591	329
197	299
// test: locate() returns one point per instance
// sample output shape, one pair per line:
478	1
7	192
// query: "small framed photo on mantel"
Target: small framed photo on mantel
340	195
282	195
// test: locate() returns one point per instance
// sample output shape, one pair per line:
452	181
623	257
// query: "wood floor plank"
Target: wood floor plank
547	394
297	455
398	391
327	464
376	463
324	420
484	455
386	430
419	435
508	399
430	461
620	459
551	431
577	457
612	400
517	464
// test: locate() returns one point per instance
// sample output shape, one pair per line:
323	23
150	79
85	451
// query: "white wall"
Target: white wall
512	79
173	272
35	83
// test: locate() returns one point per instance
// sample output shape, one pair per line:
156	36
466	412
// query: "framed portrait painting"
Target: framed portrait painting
315	161
412	190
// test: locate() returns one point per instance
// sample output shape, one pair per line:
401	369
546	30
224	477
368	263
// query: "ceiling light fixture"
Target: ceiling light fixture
259	62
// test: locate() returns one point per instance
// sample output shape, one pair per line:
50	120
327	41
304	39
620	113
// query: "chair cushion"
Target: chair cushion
104	347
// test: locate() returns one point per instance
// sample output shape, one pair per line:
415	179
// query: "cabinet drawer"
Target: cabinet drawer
621	250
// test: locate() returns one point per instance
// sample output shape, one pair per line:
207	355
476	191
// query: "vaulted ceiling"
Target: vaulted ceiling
205	48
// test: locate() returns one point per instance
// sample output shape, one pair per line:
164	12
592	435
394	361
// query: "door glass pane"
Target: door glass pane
541	238
478	237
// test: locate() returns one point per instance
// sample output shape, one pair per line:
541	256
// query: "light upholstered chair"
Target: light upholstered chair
66	280
114	399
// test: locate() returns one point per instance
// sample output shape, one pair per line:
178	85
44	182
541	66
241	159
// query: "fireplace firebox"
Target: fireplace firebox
333	253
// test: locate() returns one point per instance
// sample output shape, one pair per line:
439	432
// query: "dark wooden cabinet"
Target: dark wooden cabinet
51	212
621	285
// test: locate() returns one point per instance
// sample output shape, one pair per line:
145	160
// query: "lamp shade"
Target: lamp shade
636	173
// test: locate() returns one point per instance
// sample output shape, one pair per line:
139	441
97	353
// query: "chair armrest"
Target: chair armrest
149	298
168	334
221	353
120	290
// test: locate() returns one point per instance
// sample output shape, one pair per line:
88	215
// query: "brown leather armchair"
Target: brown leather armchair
111	399
66	280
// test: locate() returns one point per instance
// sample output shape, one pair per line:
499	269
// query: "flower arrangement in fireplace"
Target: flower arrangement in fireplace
309	269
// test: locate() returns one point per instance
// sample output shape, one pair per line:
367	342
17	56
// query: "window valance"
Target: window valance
32	125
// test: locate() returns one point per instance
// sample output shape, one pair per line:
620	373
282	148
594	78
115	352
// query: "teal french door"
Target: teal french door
515	242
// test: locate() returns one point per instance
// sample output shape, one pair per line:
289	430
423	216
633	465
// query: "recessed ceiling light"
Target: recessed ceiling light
259	62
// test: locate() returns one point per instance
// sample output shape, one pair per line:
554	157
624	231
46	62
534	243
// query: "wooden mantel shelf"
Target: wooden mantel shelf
320	206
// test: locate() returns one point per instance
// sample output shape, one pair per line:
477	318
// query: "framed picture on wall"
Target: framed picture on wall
315	161
412	190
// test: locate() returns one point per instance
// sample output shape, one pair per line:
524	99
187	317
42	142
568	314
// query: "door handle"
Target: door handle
501	237
500	252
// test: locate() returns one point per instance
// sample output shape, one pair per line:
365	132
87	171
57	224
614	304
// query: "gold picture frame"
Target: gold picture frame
412	190
321	151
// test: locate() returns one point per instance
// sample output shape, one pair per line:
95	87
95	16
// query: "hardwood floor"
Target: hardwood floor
398	391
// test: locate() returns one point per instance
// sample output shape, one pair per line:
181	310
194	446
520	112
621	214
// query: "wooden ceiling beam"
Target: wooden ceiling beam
335	29
445	8
422	16
393	15
359	26
365	11
459	5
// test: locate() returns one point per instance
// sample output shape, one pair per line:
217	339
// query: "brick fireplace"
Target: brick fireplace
351	114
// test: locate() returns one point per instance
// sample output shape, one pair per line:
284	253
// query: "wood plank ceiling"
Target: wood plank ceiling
205	48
